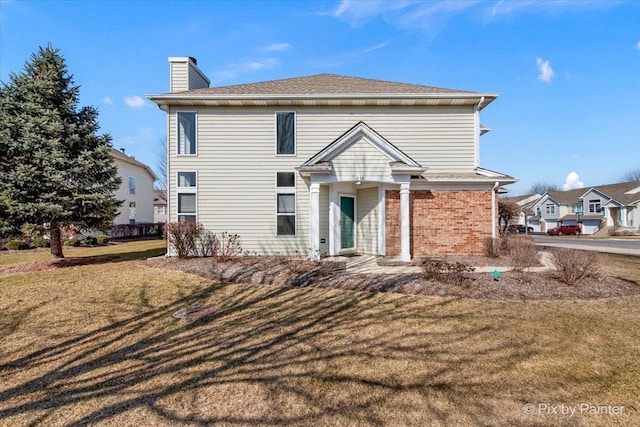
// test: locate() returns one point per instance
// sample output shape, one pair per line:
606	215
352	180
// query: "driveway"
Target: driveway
609	245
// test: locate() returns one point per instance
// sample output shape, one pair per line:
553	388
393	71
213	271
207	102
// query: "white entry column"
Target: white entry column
314	227
405	235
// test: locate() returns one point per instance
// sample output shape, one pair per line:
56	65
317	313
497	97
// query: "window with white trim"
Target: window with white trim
186	123
286	203
187	195
550	208
576	207
286	133
595	206
132	185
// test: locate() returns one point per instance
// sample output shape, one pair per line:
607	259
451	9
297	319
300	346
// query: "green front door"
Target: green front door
347	222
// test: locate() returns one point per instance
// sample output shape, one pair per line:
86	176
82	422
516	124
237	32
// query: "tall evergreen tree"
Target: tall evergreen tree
55	170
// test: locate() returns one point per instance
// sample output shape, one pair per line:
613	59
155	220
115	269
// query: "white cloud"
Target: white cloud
107	100
232	71
572	182
638	46
134	101
376	47
277	47
546	72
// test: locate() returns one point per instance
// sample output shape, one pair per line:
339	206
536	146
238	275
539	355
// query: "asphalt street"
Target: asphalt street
627	246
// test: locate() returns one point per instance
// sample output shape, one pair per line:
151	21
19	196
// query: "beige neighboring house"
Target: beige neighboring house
160	206
330	164
612	205
136	190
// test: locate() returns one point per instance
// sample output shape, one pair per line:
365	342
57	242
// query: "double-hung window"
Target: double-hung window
132	185
286	203
286	133
550	208
576	207
595	206
187	194
187	133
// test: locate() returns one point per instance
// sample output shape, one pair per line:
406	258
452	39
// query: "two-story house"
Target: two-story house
594	208
329	164
136	190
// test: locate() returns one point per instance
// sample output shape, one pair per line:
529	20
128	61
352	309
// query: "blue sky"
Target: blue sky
568	72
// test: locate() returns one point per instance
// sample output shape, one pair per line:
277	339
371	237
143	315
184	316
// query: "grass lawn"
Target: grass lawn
96	344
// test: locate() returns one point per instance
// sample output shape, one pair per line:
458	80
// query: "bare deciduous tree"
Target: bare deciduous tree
632	175
542	187
161	165
507	210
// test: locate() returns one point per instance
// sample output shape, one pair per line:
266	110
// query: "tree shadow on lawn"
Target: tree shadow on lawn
271	355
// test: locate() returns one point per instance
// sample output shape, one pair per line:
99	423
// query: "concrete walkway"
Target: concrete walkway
368	264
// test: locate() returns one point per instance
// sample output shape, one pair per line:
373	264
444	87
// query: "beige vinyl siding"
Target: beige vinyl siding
324	219
237	164
179	77
361	159
367	218
143	196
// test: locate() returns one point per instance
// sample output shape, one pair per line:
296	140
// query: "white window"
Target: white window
286	203
187	194
576	207
132	185
187	133
594	206
286	133
161	209
550	208
132	212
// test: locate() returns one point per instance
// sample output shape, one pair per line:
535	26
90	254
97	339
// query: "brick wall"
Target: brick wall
448	222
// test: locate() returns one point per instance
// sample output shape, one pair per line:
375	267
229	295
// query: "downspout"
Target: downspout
476	124
493	210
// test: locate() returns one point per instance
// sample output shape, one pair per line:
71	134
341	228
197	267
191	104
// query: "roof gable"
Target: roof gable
361	132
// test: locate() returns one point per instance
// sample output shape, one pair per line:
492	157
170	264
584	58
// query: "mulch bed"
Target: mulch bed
303	273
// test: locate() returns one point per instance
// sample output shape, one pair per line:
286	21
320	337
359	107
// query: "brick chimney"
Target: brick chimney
184	74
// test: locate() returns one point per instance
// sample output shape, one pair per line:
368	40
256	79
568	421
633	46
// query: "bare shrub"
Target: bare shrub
225	247
442	271
573	265
204	246
492	247
184	237
522	253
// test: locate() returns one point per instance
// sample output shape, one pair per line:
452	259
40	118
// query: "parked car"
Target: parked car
564	229
522	229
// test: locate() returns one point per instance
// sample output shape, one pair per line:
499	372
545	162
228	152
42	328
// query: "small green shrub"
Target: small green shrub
102	239
72	242
16	245
90	241
41	242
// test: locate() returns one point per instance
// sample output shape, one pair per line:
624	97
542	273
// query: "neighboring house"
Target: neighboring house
160	206
526	204
329	164
136	190
595	207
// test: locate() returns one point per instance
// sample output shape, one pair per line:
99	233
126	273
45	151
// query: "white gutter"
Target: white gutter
493	211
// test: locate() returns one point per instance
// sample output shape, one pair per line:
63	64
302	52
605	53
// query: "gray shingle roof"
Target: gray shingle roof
326	84
615	191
